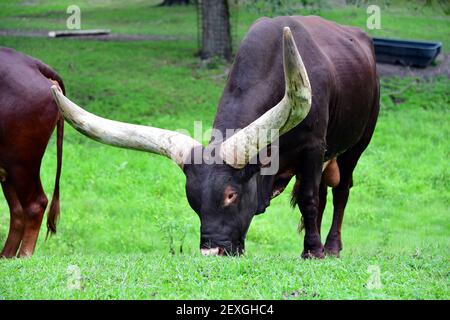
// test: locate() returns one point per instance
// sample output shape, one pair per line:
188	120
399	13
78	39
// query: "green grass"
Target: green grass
122	211
156	276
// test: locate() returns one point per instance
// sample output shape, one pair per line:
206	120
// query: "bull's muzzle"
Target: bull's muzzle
212	252
221	251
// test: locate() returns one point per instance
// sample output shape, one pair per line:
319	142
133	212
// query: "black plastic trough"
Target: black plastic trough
406	52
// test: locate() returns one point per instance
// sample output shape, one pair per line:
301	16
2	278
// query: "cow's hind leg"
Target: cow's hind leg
34	212
34	202
16	223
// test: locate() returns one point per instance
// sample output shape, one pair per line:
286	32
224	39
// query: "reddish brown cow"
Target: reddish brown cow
28	116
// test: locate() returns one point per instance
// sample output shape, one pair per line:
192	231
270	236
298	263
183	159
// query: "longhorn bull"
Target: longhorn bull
322	100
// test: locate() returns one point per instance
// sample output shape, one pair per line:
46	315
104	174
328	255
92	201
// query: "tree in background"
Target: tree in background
216	29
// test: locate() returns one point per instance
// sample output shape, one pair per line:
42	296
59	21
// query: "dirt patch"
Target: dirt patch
441	67
30	3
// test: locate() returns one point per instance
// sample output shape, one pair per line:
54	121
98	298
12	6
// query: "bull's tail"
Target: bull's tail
294	202
53	213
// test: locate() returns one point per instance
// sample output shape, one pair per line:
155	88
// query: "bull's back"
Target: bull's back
349	57
340	62
341	67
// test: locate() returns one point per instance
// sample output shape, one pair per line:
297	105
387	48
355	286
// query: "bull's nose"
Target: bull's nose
212	251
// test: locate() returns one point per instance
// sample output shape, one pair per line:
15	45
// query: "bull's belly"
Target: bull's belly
342	139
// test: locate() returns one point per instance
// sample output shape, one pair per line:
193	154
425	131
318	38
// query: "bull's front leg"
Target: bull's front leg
307	197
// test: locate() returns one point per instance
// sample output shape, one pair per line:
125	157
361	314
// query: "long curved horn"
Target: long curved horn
171	144
288	113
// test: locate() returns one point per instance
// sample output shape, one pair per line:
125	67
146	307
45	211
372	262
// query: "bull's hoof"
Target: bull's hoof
333	247
313	254
332	252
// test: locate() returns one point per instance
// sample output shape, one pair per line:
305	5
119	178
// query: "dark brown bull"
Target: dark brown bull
321	97
28	116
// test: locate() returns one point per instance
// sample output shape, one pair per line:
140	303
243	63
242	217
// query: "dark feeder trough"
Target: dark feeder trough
406	52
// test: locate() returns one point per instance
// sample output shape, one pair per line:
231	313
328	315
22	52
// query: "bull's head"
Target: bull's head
226	195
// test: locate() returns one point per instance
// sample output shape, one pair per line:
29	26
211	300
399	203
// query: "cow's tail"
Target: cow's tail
54	211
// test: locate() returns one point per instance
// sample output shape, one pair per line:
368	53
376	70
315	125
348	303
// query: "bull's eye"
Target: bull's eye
230	196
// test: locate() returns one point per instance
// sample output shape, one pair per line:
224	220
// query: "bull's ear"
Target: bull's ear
249	171
263	160
264	185
194	159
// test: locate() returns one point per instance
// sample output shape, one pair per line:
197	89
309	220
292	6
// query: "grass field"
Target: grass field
124	212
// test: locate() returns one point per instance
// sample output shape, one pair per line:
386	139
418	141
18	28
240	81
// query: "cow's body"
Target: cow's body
28	116
340	62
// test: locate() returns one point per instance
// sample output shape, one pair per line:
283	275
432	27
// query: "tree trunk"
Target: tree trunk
168	3
216	37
